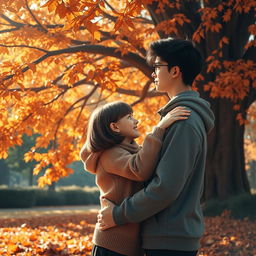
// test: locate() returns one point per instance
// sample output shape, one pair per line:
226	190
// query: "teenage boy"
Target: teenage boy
169	205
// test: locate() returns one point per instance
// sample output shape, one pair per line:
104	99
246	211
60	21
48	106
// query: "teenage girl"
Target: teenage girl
120	166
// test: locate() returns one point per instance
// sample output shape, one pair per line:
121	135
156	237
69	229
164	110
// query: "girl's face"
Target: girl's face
127	127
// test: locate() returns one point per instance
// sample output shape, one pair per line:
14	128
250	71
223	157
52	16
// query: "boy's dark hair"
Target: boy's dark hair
177	52
99	134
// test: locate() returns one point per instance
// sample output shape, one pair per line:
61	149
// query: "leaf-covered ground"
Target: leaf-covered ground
71	235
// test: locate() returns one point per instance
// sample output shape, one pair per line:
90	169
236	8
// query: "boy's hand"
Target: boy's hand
105	218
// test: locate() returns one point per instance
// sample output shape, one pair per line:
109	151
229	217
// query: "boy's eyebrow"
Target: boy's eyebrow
159	63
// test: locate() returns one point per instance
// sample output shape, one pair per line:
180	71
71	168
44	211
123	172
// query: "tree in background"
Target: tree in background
4	173
61	60
15	162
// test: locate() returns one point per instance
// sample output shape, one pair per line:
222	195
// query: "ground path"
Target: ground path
47	211
68	230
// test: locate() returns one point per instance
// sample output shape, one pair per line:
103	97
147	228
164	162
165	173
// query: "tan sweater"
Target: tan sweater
120	172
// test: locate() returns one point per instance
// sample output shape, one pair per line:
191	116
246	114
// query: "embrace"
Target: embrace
150	194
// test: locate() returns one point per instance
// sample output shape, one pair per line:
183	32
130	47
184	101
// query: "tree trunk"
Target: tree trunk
52	187
225	165
4	173
30	181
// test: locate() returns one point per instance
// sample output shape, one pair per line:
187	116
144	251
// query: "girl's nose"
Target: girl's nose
136	121
153	74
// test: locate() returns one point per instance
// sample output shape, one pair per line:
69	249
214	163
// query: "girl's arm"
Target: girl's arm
140	166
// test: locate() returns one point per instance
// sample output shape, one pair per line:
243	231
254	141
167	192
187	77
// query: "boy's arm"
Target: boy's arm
172	172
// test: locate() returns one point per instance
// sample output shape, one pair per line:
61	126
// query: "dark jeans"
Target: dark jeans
100	251
169	253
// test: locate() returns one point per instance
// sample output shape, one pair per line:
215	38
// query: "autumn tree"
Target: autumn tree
61	59
15	162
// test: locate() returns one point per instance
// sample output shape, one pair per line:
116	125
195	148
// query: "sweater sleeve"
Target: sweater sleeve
138	166
172	172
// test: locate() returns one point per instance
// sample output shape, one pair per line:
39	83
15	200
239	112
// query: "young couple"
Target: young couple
150	195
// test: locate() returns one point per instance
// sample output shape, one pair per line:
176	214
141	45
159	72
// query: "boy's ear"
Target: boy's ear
114	127
175	71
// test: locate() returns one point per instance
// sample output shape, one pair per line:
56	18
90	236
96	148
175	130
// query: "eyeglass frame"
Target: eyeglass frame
159	65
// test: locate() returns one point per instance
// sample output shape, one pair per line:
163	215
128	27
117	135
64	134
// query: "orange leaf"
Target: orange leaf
13	248
61	10
97	35
32	66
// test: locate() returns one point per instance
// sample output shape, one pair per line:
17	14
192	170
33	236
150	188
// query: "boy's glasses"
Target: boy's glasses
159	65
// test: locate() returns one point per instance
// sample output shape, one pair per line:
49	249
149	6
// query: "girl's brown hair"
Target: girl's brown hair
99	134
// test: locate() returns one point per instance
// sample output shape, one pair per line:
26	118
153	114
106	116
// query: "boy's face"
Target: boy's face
162	77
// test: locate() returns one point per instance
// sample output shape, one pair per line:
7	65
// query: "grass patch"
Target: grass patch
33	196
17	198
240	206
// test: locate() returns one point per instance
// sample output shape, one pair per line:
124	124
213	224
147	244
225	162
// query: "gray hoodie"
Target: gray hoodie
170	203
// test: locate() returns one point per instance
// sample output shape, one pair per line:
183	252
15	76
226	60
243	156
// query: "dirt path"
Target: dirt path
46	211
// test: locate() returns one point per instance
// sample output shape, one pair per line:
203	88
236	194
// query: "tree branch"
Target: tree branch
125	38
39	26
19	25
13	23
250	54
239	34
135	93
42	28
143	93
23	46
132	58
56	97
136	19
71	107
110	17
187	29
8	30
143	20
109	6
85	101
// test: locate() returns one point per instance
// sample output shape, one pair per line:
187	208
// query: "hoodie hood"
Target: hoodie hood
192	100
91	160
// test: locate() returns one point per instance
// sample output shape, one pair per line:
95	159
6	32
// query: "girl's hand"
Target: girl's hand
178	113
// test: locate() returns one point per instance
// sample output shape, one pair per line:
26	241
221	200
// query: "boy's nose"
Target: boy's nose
153	74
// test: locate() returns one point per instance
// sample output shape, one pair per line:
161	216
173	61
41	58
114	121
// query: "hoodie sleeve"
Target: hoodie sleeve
172	172
138	166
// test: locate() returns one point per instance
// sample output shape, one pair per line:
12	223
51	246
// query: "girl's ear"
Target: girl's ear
114	127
